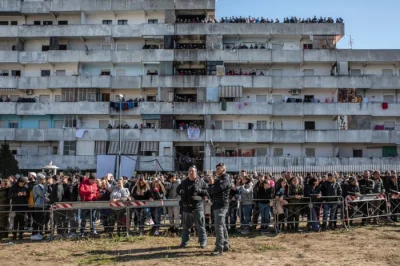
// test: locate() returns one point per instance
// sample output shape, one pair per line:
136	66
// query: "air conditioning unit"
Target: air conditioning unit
29	92
295	92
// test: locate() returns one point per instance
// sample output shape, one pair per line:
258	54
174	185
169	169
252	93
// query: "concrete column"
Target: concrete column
207	122
83	18
170	16
214	42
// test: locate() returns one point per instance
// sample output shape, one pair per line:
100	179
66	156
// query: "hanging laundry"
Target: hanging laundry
239	106
193	133
385	106
130	105
80	133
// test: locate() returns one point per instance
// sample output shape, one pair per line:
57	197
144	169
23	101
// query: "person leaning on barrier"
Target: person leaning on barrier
350	188
246	201
141	192
295	193
57	194
117	193
219	191
330	191
378	189
18	194
366	187
313	190
193	190
88	191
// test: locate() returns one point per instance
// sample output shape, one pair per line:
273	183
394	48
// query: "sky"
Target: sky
372	24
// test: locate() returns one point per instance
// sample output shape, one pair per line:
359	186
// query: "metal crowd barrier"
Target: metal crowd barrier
291	212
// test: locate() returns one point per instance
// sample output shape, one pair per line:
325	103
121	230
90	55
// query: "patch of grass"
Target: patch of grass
338	232
270	247
130	239
100	259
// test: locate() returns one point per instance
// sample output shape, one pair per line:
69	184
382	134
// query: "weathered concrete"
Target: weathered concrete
7	134
8	56
10	6
61	108
126	82
79	82
8	108
62	161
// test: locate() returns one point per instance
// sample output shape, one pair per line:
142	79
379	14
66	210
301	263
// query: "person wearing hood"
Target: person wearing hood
40	200
18	194
246	195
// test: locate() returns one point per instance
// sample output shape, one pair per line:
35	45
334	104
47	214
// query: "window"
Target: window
310	152
70	121
105	72
228	124
389	125
122	22
13	124
43	124
277	72
278	152
13	23
62	47
45	73
122	47
55	150
387	72
261	152
307	46
153	21
355	72
309	125
63	22
4	73
388	98
44	98
81	94
106	47
60	73
103	123
167	151
308	72
357	153
37	23
120	72
16	73
69	147
47	22
105	97
14	48
58	123
261	98
218	124
45	48
107	22
3	23
261	124
57	98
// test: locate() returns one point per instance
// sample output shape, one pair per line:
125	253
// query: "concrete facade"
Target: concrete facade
73	57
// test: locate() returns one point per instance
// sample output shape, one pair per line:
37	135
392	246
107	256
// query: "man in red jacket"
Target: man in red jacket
88	191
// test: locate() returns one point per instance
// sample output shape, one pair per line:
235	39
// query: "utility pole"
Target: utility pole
351	42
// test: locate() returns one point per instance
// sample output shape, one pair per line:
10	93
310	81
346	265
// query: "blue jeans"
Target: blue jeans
331	208
265	214
312	217
246	209
85	214
157	211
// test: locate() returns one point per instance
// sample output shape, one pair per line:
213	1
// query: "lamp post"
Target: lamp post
120	97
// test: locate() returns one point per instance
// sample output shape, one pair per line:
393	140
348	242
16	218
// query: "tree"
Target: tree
8	163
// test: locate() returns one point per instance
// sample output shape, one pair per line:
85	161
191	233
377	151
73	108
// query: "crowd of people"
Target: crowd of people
249	19
247	198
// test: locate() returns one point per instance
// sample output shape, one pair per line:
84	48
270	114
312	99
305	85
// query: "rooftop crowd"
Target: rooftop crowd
25	202
249	19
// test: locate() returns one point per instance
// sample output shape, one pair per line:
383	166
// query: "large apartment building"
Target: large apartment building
81	80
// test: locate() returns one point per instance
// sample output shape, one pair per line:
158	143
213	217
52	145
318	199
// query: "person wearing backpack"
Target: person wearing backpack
38	196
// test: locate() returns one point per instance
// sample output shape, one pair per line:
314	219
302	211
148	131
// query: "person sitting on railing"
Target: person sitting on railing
330	189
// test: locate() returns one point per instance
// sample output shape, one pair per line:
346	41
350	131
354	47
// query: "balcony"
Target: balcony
10	7
301	164
63	108
260	29
146	163
355	56
31	162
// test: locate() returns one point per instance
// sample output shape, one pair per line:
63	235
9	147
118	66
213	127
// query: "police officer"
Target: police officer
193	190
219	191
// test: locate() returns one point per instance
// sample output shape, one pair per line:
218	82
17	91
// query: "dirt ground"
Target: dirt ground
362	246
